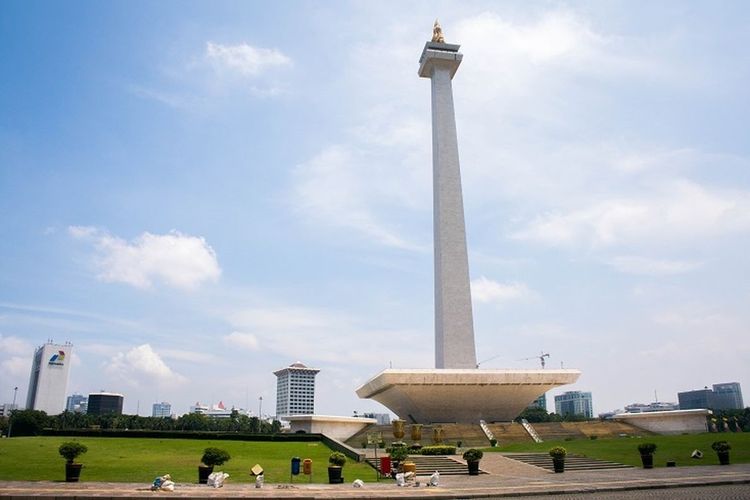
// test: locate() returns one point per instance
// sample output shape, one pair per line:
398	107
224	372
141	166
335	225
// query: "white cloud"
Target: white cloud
14	345
245	59
177	260
484	290
17	366
351	188
651	267
143	363
681	210
242	340
320	336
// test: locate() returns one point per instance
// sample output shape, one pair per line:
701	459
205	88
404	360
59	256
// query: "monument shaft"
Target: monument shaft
454	324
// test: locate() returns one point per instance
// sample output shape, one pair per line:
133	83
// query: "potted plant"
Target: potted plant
647	454
398	455
472	457
558	454
722	450
70	451
336	463
211	457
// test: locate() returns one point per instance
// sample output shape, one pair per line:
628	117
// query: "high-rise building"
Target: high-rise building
77	403
728	396
162	409
105	403
295	390
574	403
693	400
48	382
540	402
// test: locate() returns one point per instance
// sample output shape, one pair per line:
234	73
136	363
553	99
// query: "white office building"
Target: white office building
295	390
162	409
48	382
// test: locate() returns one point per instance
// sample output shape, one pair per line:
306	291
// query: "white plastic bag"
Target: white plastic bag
400	481
167	485
216	479
434	479
259	481
358	483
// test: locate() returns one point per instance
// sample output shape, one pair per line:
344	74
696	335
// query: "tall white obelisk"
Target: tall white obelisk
454	323
454	391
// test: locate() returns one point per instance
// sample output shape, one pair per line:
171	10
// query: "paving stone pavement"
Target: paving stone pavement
505	478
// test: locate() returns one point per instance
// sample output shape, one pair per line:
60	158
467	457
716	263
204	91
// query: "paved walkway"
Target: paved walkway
506	478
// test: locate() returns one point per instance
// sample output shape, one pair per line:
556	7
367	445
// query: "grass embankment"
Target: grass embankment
625	450
140	460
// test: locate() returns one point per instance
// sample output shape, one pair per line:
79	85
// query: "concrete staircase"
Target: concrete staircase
427	464
572	462
531	431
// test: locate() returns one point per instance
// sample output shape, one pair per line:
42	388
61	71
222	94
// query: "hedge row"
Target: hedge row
439	450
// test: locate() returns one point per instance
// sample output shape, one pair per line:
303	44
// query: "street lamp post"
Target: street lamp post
12	408
260	408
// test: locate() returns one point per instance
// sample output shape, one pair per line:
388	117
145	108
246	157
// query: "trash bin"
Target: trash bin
385	466
295	465
307	466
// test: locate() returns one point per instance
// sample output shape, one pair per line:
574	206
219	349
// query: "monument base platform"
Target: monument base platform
462	396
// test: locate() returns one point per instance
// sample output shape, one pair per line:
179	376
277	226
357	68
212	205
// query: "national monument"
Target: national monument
456	390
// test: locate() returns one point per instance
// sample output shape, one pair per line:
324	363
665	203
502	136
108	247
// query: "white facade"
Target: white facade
341	428
48	382
295	390
668	422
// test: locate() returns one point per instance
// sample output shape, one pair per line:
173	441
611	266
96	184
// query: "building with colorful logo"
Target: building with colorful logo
48	382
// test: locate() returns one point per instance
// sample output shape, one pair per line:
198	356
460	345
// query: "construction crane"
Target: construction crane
540	358
488	359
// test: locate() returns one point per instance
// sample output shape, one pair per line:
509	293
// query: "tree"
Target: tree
27	422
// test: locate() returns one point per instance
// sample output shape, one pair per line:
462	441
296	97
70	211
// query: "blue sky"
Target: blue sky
196	194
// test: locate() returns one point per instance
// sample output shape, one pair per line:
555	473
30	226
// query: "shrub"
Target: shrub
720	446
458	444
558	452
214	456
71	450
439	449
399	453
337	459
493	442
473	455
414	448
593	438
647	448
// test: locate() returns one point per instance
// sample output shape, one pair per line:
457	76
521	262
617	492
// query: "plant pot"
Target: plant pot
473	467
648	461
203	472
723	457
334	475
558	464
72	472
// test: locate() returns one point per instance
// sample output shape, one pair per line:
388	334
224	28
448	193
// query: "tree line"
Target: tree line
33	422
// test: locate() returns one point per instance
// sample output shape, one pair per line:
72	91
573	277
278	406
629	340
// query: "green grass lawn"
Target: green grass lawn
142	459
625	450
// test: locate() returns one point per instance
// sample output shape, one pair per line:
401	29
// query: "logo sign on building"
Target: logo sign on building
57	359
